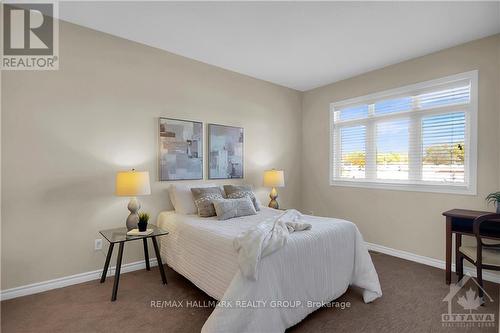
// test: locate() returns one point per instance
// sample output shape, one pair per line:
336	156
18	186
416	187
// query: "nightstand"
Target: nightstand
119	235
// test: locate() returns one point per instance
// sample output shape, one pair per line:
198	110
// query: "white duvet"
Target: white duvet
315	267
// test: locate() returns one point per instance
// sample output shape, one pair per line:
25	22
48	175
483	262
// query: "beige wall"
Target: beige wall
409	221
65	133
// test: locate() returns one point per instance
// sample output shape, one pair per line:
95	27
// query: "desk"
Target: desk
459	222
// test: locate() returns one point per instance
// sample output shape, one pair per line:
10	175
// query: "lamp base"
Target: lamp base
133	206
274	196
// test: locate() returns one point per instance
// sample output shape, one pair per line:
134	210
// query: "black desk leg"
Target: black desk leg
158	257
117	271
106	264
146	254
449	242
459	260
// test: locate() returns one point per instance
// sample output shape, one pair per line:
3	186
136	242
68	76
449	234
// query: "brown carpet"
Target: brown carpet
412	302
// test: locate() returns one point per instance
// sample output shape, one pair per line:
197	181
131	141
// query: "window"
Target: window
420	137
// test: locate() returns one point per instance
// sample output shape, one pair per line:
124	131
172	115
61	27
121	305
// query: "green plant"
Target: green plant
493	197
143	217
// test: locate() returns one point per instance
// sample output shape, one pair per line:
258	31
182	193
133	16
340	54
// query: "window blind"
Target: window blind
415	136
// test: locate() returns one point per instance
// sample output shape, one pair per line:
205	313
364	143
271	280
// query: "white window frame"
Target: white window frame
470	162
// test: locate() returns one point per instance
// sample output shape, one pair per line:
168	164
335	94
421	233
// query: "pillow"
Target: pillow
182	198
229	208
240	191
203	199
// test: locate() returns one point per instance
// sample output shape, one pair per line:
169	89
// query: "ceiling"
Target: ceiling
301	45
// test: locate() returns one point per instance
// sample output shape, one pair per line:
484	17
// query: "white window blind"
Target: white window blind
419	137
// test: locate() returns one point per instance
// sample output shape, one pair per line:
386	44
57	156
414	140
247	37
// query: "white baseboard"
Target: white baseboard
487	275
70	280
94	275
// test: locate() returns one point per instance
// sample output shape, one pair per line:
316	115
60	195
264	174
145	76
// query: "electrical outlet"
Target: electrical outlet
98	244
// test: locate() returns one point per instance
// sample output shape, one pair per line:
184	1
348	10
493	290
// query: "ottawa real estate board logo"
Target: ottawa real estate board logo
30	38
466	309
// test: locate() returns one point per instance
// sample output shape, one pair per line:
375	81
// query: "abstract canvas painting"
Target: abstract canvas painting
225	144
181	149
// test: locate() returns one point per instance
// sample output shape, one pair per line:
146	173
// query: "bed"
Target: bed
314	268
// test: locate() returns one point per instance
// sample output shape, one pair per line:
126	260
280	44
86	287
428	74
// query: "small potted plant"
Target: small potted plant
143	221
494	198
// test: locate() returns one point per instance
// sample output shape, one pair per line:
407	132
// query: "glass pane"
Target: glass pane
393	105
355	112
459	95
392	149
117	235
443	148
352	159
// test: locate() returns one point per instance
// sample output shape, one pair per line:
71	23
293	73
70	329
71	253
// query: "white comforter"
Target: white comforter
315	267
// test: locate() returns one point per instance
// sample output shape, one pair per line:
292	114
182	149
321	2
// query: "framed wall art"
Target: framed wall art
225	148
181	149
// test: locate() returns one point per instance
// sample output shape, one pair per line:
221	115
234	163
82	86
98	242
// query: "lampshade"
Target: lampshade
274	178
132	183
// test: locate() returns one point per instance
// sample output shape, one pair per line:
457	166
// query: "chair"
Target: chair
483	255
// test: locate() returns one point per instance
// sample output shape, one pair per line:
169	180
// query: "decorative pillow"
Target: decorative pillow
182	198
203	200
229	208
240	191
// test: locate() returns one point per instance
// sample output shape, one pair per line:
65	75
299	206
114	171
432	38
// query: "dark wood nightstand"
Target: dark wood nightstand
119	235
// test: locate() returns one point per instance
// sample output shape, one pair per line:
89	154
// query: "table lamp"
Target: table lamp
274	178
131	184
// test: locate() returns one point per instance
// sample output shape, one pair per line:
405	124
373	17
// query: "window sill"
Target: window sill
451	189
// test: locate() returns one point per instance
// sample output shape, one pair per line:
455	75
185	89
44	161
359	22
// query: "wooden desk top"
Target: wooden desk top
465	213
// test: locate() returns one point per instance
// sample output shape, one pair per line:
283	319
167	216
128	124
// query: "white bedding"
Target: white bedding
315	265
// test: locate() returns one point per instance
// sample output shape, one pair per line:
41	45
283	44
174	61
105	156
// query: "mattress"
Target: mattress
201	249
